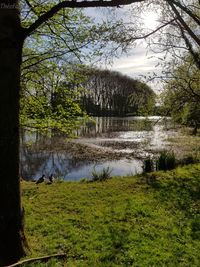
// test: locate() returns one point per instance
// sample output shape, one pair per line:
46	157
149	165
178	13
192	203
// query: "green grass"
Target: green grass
119	222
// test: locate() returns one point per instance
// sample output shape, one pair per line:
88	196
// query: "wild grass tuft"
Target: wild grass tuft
166	161
102	175
148	165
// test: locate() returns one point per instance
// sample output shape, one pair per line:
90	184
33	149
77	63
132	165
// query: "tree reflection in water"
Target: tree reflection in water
40	154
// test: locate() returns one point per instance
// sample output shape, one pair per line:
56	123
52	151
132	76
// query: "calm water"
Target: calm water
133	137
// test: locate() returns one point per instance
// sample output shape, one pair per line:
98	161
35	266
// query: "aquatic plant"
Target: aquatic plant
148	165
102	175
166	161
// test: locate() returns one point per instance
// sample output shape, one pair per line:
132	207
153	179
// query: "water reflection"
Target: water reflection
40	154
118	168
111	125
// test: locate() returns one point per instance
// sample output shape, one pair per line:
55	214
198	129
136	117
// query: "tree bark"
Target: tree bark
11	223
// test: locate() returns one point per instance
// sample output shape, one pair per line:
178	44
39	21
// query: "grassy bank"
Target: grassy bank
185	144
120	222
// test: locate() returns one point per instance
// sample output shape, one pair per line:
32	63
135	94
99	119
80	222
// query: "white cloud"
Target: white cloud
137	64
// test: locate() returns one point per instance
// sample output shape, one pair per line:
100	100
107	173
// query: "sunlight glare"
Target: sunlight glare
150	20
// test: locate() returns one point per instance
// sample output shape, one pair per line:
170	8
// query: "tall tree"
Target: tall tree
11	42
181	97
12	36
111	93
50	100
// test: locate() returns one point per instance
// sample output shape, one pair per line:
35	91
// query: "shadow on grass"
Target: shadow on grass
180	190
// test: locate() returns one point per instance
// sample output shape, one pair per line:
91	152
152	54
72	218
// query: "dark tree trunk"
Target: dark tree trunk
11	226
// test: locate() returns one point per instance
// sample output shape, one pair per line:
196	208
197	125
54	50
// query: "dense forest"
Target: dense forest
114	94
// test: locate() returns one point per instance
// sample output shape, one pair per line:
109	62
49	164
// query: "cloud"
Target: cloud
138	62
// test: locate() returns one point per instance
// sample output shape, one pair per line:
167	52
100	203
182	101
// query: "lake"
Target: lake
118	143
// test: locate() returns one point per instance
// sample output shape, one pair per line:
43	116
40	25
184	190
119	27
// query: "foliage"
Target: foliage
50	100
123	222
70	36
182	95
38	16
167	161
101	176
51	64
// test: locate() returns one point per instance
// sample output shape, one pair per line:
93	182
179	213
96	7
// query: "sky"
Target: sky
138	62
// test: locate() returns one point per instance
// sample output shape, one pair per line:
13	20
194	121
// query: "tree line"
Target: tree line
110	93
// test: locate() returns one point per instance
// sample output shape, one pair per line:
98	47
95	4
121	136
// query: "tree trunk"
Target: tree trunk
11	223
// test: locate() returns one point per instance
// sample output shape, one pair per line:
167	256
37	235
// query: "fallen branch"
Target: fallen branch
44	258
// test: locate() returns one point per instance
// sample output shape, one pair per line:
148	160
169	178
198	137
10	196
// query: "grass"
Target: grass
185	145
119	222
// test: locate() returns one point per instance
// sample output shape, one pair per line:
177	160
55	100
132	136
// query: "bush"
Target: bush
101	176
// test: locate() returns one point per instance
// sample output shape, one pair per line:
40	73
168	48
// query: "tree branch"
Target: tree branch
186	10
152	32
31	7
183	23
73	4
195	55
